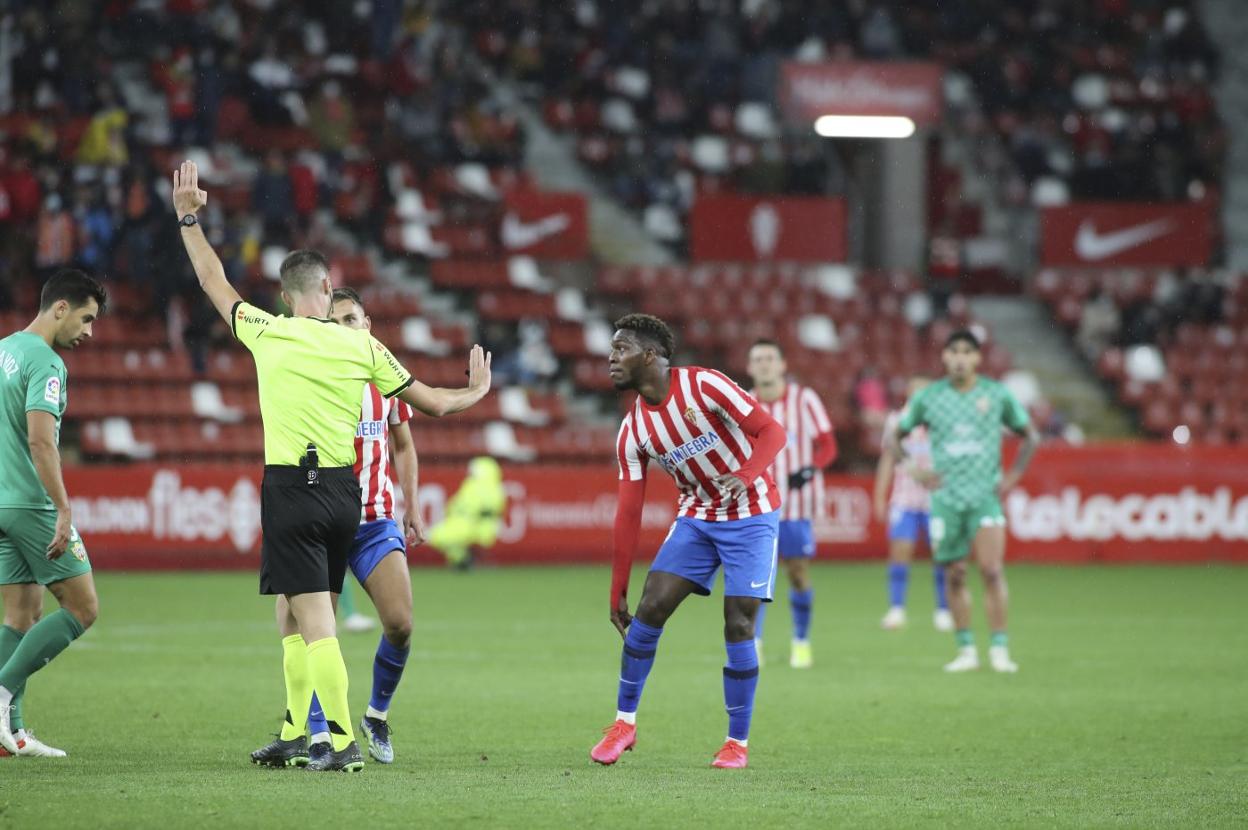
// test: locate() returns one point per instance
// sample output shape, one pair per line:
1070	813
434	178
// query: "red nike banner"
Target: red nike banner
732	228
913	90
545	224
1113	233
1119	503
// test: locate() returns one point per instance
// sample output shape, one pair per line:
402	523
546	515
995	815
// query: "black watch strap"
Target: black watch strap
188	220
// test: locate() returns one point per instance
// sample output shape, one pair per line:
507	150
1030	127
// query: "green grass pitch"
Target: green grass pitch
1131	709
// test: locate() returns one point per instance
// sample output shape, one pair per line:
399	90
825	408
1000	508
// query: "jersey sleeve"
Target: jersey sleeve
401	412
915	412
727	399
44	388
388	374
1013	413
632	460
249	323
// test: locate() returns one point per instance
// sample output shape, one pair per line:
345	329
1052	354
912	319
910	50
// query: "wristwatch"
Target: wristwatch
188	220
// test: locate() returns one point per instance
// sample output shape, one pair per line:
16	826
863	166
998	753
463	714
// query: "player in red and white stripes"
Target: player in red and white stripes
798	468
378	557
905	505
709	435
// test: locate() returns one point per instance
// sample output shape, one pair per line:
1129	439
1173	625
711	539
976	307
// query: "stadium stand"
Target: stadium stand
1171	344
379	138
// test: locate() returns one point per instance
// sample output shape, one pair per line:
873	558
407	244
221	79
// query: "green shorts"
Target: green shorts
24	536
953	528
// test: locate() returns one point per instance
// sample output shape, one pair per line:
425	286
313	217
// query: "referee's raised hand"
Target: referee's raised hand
187	197
479	369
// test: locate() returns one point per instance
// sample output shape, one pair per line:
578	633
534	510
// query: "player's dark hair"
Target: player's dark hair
346	293
963	336
764	341
74	287
301	270
651	328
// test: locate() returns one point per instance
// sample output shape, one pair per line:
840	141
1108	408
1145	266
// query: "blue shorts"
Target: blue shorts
694	549
797	539
907	525
373	542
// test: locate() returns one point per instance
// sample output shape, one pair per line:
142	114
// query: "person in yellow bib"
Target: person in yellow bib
311	374
473	515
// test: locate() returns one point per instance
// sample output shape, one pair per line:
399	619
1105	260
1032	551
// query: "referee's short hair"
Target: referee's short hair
347	293
301	270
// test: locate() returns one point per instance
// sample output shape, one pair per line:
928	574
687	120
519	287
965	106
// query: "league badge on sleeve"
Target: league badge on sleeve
52	391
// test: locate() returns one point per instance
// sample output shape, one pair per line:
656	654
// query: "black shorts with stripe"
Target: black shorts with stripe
308	530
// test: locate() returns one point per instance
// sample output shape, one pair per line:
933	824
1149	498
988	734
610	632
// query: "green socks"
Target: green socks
329	678
9	638
964	637
46	639
1000	638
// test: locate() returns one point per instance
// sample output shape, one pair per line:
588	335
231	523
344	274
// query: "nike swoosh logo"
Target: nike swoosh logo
520	234
758	584
1093	246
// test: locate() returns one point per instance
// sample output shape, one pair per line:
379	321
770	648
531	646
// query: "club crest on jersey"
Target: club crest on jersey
691	415
982	404
689	449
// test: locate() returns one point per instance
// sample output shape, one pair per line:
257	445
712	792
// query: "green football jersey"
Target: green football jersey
965	433
32	377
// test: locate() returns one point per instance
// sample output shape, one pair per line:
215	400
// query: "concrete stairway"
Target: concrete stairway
1037	345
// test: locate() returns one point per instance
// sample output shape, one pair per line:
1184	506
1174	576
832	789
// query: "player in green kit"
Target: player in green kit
39	546
964	415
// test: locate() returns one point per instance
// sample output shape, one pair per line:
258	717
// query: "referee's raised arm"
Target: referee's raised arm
187	200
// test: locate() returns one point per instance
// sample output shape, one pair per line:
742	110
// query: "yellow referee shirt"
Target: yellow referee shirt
312	374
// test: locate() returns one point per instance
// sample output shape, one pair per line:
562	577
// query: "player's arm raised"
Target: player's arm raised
187	200
41	438
439	401
406	467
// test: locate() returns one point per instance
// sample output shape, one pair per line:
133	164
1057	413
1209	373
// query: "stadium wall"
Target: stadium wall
1112	503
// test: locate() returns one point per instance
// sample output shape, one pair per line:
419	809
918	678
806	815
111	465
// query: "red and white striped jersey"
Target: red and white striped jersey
695	435
804	419
907	493
372	452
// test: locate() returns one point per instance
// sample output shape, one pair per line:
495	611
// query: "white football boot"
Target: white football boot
967	660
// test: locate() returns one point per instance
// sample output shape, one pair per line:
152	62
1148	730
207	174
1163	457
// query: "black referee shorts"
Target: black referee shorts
308	531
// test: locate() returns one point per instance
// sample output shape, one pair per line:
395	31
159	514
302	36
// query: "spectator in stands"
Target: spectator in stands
95	228
1098	324
871	397
332	120
23	189
104	142
210	85
54	236
273	196
177	78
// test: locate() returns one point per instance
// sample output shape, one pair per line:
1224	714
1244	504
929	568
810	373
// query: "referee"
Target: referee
311	375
